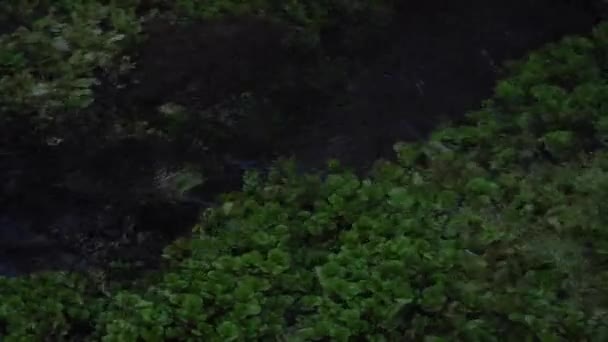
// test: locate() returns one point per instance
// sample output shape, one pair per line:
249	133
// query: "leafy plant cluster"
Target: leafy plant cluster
51	61
491	230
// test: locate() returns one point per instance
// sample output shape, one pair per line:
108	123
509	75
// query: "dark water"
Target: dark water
442	61
9	231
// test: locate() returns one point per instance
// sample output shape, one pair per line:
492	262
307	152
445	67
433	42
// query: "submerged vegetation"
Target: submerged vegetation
493	229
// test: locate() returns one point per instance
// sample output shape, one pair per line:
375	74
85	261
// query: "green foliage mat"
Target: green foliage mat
495	230
50	63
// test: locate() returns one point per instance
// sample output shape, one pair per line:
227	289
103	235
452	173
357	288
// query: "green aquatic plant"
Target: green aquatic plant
50	64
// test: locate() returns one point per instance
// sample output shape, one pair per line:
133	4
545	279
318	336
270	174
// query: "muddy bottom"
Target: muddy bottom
435	62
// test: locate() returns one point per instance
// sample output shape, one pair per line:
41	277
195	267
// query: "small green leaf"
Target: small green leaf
400	197
229	331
